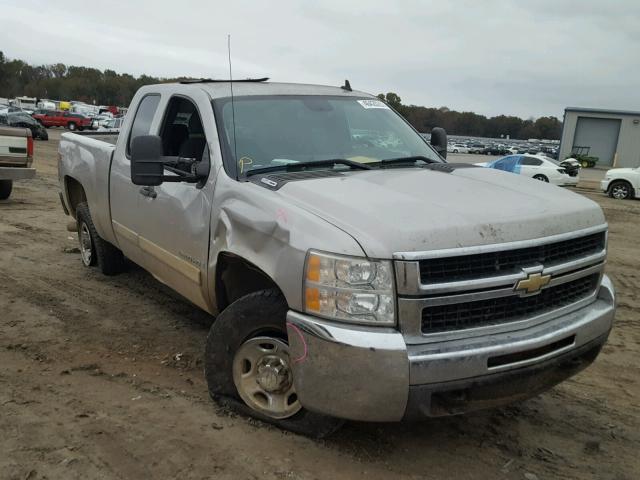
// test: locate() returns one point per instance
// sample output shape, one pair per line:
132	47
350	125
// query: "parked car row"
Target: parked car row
511	148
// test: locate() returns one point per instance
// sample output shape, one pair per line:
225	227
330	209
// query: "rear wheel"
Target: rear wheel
5	189
620	190
72	126
93	249
541	178
248	367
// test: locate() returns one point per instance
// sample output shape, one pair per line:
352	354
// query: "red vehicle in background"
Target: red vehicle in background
109	108
55	118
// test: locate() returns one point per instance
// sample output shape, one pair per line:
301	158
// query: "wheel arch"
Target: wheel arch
75	194
236	277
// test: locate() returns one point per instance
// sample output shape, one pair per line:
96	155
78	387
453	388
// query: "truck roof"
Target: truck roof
240	88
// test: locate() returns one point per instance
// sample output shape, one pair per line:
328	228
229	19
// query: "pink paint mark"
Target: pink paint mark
304	343
281	214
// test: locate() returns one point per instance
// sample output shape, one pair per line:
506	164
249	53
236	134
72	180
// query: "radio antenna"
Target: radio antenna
233	107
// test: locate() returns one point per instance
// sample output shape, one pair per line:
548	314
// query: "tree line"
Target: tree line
60	82
473	124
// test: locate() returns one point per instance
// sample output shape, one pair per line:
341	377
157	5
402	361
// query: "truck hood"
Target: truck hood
413	209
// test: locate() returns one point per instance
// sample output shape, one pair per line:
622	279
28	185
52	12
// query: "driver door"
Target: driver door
174	235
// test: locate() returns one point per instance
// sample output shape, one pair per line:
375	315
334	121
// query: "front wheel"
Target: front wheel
248	366
541	178
72	126
620	190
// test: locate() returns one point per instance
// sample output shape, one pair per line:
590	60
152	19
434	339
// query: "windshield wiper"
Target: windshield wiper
406	160
294	167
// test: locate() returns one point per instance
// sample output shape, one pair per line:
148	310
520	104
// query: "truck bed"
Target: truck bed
86	158
108	137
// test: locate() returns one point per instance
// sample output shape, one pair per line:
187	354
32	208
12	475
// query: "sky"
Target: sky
528	58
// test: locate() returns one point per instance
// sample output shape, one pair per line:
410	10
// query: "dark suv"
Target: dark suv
24	120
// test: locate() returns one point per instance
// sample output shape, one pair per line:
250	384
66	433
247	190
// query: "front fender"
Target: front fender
258	226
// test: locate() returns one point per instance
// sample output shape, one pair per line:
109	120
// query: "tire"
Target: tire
584	164
5	189
257	319
72	126
620	190
455	150
541	178
109	259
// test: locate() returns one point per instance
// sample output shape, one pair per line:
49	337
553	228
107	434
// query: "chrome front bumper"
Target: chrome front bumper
372	374
16	173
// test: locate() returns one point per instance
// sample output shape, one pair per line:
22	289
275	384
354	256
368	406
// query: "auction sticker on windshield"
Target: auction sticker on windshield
372	104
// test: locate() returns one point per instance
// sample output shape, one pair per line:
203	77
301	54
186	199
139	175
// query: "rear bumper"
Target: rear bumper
570	181
16	173
604	185
372	375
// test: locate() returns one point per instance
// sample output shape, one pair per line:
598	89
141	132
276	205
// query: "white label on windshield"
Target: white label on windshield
373	104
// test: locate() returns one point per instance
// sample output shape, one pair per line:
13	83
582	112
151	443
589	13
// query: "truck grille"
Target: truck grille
468	267
495	311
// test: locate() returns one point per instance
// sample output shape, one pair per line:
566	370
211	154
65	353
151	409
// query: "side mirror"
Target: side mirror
147	162
439	141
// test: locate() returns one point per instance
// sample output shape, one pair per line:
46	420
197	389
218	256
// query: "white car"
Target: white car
457	148
100	121
622	183
538	167
112	125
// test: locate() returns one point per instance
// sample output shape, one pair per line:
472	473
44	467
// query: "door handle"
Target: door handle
148	192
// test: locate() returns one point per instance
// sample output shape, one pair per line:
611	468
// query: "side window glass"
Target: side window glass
144	117
531	161
508	164
182	133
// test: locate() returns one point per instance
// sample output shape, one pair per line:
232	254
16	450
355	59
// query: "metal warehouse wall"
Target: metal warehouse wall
627	148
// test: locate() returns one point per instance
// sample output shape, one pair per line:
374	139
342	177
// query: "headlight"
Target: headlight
350	289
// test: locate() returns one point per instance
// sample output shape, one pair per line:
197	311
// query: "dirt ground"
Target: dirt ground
101	378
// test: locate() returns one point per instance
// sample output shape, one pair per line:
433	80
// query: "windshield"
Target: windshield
283	130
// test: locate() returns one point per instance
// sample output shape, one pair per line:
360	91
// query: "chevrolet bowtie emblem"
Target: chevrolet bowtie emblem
533	283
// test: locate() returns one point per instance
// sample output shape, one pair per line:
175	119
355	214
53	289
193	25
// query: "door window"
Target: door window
182	132
531	162
144	117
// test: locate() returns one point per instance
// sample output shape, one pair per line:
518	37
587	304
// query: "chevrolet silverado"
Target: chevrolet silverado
353	272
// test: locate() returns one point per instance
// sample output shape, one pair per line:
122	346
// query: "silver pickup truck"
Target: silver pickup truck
353	272
16	157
